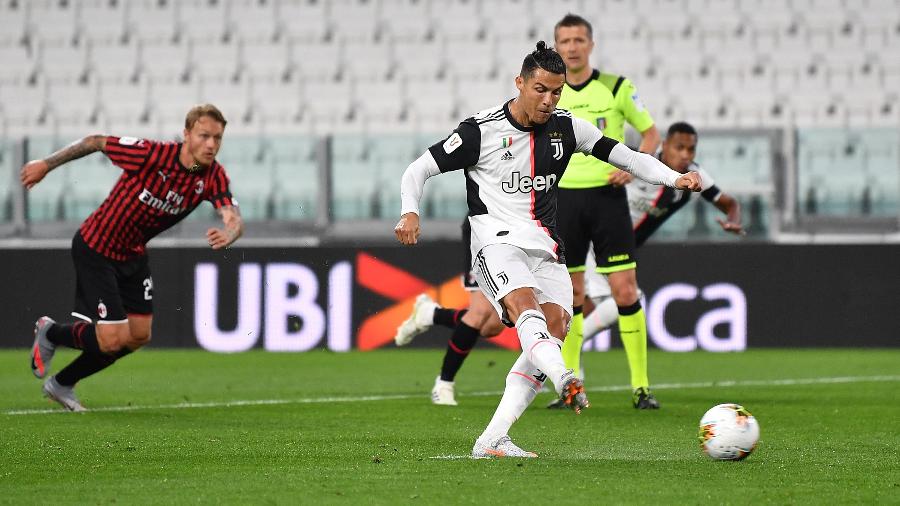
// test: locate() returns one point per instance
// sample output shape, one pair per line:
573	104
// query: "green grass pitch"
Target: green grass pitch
176	427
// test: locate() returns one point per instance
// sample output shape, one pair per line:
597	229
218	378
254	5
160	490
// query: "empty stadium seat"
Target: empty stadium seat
112	61
52	23
406	20
102	21
264	60
303	20
213	60
253	20
152	21
18	64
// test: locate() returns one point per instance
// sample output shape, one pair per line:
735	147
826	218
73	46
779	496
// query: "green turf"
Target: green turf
825	442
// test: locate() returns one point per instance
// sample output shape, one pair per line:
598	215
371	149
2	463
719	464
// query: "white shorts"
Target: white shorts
597	285
502	268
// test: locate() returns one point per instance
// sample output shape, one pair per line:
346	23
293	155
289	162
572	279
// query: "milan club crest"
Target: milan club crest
101	309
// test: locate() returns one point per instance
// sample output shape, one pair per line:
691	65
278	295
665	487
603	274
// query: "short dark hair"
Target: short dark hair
681	127
543	57
574	20
203	110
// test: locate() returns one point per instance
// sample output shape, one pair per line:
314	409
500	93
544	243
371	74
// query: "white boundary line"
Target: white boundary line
376	398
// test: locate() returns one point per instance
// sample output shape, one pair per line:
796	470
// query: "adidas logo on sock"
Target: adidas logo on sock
507	156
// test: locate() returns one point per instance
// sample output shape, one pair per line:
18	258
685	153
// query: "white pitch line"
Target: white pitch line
376	398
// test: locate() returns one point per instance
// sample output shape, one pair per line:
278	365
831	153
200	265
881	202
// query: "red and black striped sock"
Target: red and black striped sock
461	343
87	364
79	335
448	317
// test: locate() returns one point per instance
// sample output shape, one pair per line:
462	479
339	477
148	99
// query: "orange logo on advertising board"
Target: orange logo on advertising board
402	287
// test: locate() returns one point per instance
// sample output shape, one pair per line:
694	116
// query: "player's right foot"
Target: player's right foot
443	394
42	351
500	447
572	394
65	396
642	398
421	319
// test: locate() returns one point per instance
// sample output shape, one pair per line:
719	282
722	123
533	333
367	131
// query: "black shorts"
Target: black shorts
599	216
468	277
108	290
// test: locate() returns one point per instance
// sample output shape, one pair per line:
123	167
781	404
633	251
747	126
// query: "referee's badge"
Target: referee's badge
601	123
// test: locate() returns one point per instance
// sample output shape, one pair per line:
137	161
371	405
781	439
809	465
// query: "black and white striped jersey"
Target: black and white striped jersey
651	205
512	173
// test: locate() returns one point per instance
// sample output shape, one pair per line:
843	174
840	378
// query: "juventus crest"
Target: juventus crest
557	148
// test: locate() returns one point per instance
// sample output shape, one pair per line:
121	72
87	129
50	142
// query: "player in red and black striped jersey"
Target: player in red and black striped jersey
161	183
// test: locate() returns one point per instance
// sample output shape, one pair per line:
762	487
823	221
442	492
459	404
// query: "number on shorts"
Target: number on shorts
148	289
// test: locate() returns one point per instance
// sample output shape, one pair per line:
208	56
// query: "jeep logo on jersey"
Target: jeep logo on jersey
169	205
525	184
557	148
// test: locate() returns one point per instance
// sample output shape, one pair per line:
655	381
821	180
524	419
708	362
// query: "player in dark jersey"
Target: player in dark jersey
161	183
651	205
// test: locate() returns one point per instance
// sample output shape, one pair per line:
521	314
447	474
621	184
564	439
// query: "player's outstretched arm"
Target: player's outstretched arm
34	171
732	209
412	185
644	166
233	228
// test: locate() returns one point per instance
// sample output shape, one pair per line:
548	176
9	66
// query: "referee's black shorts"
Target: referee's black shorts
107	290
600	216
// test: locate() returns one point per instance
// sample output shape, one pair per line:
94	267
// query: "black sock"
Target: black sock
577	310
87	364
448	317
78	335
461	343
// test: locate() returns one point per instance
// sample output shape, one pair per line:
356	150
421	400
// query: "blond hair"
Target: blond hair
199	111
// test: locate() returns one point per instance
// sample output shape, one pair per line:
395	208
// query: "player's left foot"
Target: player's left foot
642	398
421	319
42	350
443	393
500	447
572	394
64	395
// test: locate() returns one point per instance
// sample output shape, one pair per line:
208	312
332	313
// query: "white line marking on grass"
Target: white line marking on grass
376	398
451	457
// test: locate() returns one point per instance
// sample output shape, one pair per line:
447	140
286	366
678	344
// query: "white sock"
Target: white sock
604	315
523	383
541	349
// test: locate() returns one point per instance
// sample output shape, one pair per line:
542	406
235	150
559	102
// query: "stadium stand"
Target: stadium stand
360	69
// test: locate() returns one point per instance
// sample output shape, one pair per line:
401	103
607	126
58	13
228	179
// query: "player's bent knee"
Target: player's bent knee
492	327
138	340
112	337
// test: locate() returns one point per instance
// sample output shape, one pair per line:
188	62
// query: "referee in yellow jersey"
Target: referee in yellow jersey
593	206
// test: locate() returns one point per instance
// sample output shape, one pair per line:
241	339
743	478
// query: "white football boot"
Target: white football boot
443	394
62	394
421	319
500	447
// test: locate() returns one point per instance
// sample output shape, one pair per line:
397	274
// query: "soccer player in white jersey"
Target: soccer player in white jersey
651	206
513	155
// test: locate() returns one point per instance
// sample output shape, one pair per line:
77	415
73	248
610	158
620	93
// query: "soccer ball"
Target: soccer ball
728	432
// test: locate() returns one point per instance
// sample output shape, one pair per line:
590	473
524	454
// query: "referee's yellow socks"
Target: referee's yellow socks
633	330
571	350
